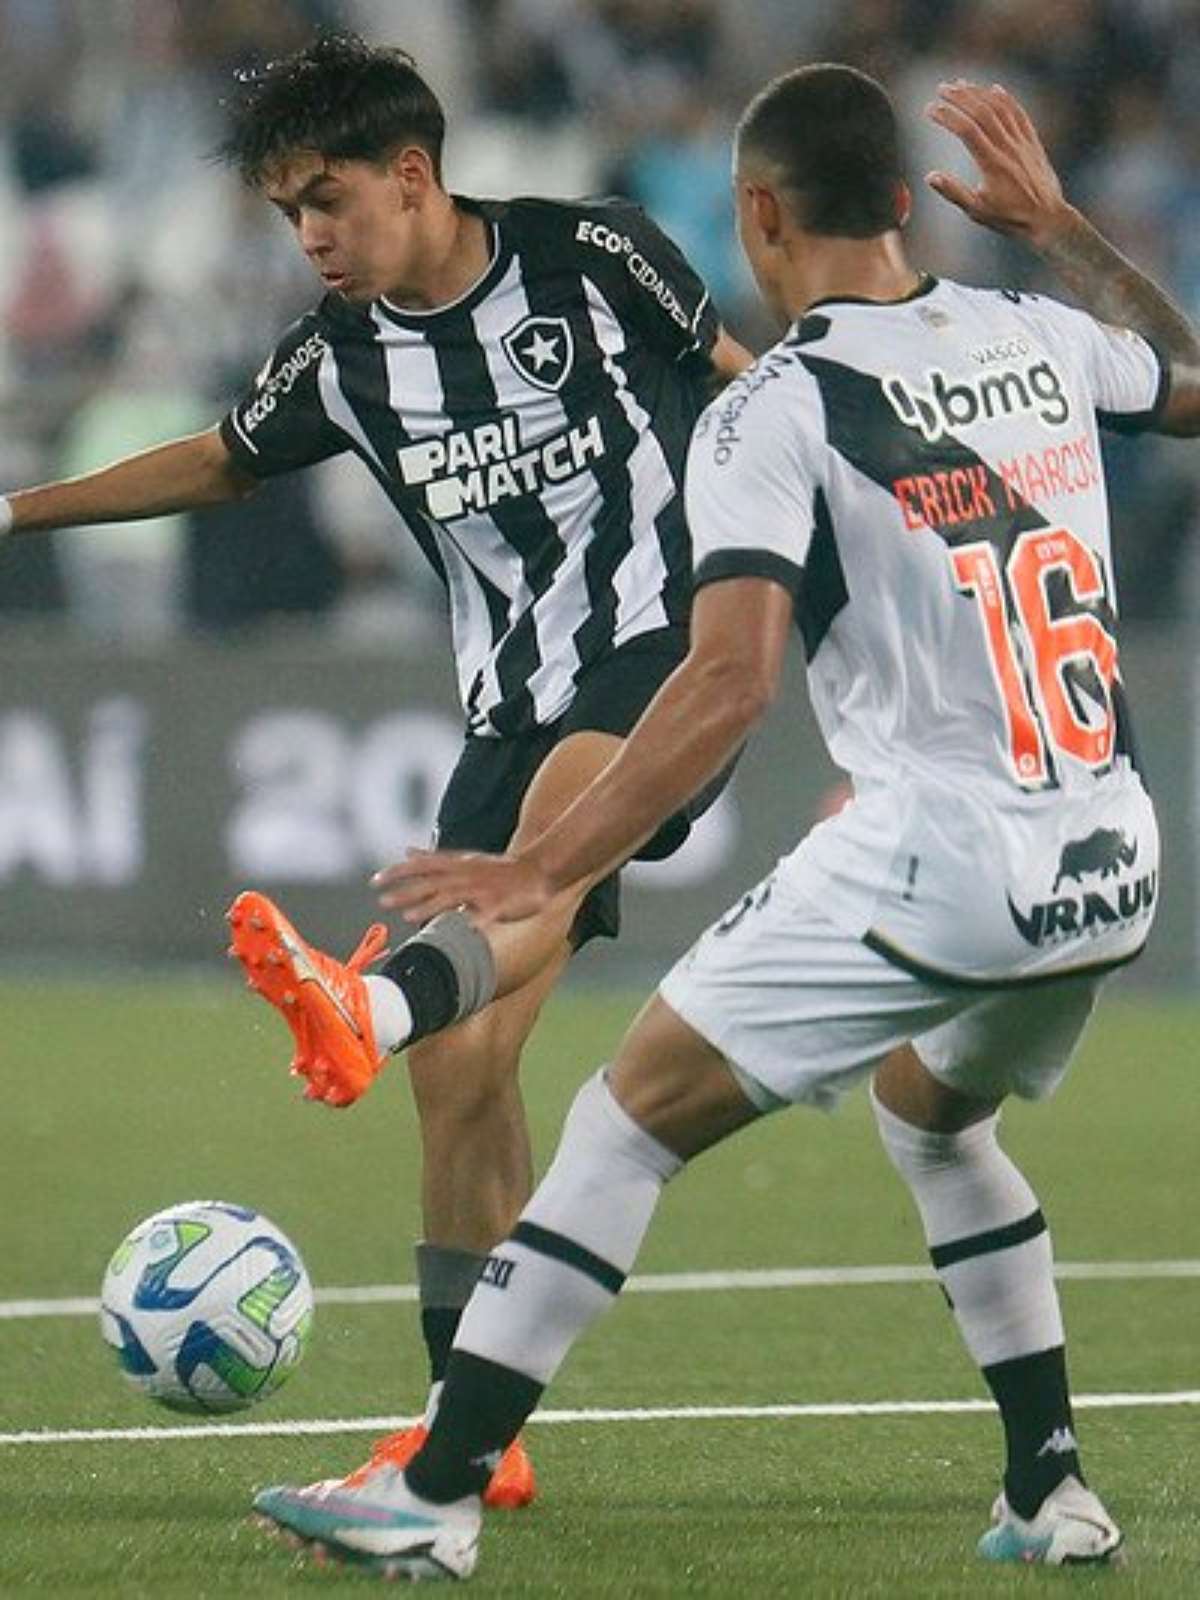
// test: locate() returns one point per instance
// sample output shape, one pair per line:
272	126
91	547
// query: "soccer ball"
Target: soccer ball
206	1306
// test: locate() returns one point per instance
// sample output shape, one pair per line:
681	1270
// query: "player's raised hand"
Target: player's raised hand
492	888
1018	191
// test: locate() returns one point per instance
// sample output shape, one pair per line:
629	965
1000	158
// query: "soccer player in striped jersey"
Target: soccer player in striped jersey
521	378
912	475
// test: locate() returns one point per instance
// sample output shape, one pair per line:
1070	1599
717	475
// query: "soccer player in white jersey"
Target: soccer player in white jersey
521	378
912	473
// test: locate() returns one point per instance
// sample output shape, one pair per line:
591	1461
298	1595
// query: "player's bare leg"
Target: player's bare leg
988	1241
477	1168
675	1086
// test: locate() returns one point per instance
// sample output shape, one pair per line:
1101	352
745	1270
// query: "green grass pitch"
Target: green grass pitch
122	1097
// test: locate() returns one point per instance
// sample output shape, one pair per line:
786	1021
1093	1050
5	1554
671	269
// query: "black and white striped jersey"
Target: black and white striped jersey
532	436
925	477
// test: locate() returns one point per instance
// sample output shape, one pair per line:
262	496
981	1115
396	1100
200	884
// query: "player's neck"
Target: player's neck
850	269
456	251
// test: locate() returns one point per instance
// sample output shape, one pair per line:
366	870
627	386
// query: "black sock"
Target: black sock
427	981
439	1324
1039	1431
482	1409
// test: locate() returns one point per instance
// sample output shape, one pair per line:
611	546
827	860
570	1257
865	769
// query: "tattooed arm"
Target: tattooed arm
1019	194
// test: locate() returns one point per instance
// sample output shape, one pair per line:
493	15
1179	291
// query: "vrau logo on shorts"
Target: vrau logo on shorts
1105	851
1089	911
542	351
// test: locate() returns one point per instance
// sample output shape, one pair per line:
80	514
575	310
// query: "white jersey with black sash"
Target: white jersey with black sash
531	435
925	477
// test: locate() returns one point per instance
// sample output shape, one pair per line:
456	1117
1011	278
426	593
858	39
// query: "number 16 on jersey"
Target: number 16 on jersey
1030	649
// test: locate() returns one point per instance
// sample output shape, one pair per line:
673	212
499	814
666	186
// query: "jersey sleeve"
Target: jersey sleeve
751	493
280	423
1128	378
650	277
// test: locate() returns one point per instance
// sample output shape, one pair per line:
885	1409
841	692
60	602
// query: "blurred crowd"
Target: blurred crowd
142	288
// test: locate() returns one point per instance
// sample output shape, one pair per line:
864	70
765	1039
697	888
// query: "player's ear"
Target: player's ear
766	211
412	168
903	203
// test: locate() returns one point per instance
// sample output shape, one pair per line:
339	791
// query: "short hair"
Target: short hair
831	133
340	97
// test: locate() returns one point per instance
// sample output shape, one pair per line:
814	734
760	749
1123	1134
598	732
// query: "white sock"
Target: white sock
986	1235
576	1240
390	1014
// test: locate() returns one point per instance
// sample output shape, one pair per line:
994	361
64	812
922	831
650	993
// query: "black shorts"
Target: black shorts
482	800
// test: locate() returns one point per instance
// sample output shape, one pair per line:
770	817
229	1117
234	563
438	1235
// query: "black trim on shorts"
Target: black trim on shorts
954	980
545	1242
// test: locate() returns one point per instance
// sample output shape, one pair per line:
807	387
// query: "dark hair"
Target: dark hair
831	133
339	96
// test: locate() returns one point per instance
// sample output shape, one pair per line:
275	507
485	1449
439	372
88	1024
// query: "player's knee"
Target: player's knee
566	772
607	1168
599	1125
914	1151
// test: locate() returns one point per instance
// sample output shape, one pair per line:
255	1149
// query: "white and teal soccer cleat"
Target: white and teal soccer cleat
378	1524
1071	1526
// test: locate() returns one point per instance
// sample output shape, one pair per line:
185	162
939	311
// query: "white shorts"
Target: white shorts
802	1011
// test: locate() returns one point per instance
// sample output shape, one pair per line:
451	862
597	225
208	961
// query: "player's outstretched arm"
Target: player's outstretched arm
181	476
1019	194
688	732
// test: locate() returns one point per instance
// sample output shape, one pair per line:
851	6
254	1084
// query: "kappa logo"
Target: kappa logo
497	1271
542	351
1060	1443
1105	853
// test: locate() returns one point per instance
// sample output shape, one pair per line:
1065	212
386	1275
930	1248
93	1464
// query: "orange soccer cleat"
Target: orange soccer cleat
323	1001
513	1484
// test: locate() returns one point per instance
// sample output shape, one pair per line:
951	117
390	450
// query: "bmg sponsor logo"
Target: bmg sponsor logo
945	405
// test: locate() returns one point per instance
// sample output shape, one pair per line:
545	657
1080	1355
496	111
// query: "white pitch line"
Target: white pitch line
674	1283
835	1408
